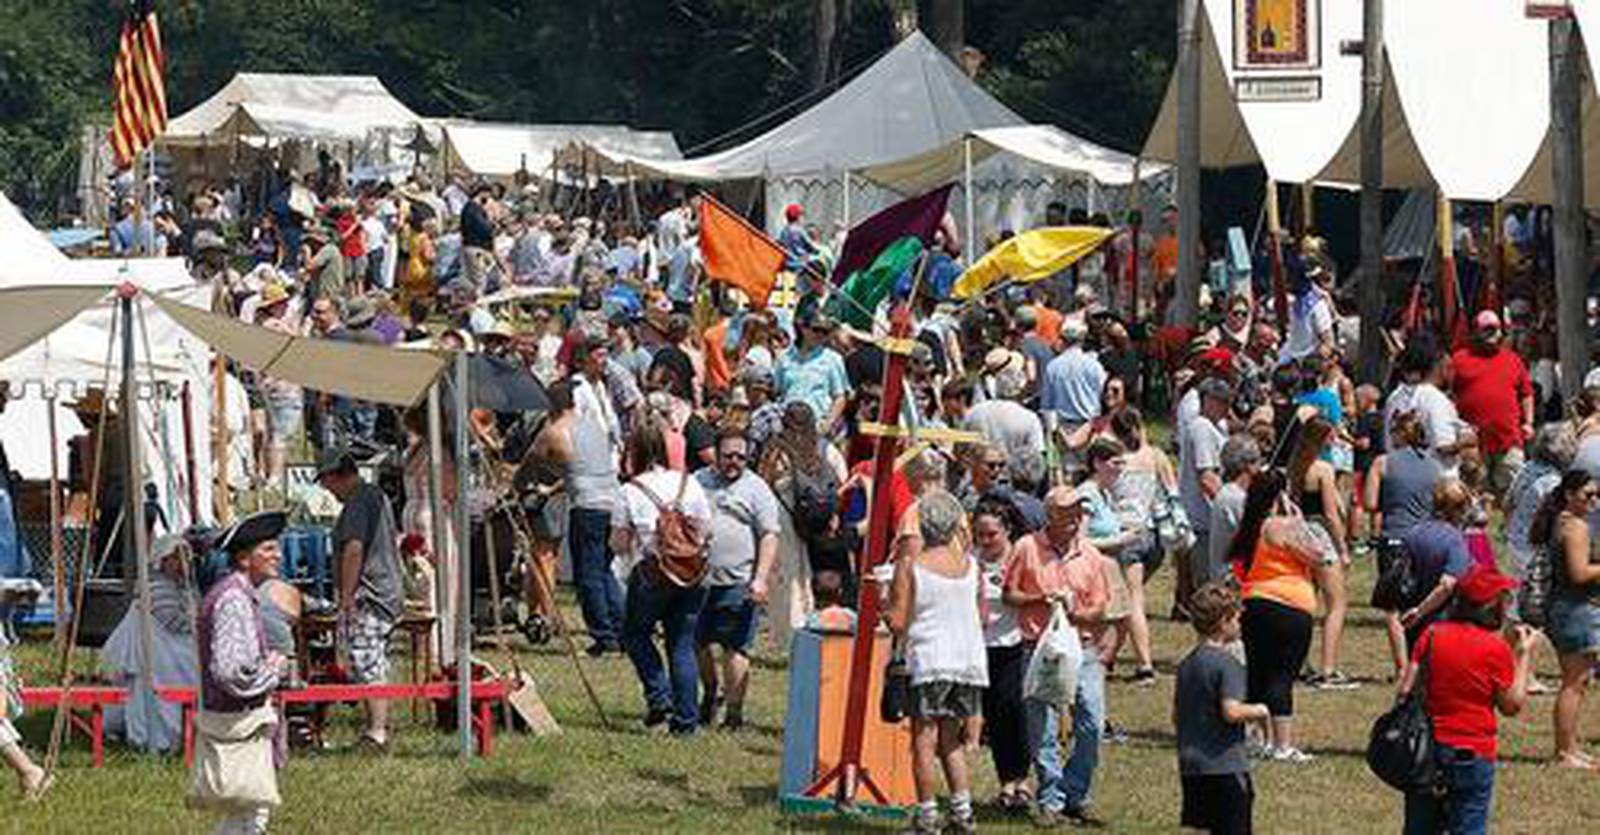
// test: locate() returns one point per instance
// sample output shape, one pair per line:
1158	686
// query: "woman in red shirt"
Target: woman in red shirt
1472	672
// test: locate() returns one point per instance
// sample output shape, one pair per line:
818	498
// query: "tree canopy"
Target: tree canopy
708	70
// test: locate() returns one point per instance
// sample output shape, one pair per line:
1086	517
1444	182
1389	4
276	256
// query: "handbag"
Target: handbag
1400	747
895	701
233	769
1396	587
1174	531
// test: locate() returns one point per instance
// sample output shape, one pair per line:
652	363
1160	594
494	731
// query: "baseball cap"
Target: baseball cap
1487	319
1482	585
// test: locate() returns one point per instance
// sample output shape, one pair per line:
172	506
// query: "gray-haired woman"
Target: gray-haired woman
1548	457
934	608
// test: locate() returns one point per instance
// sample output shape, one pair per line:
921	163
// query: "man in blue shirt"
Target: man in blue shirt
813	373
1073	380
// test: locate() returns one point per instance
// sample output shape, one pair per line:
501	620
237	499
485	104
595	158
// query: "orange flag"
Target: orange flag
738	253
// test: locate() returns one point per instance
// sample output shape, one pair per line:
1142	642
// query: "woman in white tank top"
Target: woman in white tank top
934	608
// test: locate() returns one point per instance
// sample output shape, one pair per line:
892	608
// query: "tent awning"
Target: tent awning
29	314
1045	145
502	150
367	372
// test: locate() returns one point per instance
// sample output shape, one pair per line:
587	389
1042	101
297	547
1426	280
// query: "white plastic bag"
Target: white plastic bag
1052	675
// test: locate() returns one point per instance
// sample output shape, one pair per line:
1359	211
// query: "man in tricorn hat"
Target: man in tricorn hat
237	677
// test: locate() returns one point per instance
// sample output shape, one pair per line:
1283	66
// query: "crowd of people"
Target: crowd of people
706	466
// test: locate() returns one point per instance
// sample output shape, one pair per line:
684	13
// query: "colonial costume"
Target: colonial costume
236	729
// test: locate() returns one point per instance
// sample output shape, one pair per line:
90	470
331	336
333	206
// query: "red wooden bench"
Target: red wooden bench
86	709
86	706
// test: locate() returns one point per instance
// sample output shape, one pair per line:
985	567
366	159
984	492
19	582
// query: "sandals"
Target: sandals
34	791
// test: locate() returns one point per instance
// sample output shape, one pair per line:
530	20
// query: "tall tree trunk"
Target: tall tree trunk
825	67
945	21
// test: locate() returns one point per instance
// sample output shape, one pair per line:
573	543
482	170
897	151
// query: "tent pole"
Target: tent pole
441	582
134	534
219	446
972	225
1135	233
1280	290
1370	351
59	574
464	671
633	200
1566	111
1444	237
845	177
189	467
1308	208
1188	286
1489	296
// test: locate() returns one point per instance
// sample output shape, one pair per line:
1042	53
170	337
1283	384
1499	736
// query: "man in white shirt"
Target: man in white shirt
1422	371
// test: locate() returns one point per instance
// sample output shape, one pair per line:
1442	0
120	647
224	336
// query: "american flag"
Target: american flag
140	112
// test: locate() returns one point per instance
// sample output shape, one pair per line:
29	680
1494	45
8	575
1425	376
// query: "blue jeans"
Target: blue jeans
599	593
676	609
1464	808
1068	788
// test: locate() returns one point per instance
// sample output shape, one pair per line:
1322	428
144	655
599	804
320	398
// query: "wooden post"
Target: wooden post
1187	298
1280	288
1369	366
1308	208
1135	233
1566	128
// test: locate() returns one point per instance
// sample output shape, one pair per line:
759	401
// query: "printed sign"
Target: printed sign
1277	34
1278	88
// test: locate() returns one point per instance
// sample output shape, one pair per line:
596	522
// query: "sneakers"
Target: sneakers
599	648
1290	754
962	824
1144	677
656	717
1113	734
1334	680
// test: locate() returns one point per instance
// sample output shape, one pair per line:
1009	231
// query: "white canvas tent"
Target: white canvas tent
913	108
503	150
1466	105
287	106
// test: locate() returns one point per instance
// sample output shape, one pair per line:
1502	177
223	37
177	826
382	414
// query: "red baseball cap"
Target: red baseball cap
1482	585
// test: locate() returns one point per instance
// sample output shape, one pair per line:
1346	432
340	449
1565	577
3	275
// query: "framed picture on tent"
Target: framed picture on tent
1277	34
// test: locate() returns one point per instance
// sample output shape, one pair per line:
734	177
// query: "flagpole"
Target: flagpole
972	224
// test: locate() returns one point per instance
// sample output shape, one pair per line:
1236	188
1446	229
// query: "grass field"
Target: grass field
624	780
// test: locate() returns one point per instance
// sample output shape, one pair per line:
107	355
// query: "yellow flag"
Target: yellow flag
1030	256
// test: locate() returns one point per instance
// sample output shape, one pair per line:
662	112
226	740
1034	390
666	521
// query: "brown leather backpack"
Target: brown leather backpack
680	555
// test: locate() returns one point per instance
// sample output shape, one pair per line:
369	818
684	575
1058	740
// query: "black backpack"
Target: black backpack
814	498
1400	747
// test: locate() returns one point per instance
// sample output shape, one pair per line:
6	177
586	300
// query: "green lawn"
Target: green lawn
590	780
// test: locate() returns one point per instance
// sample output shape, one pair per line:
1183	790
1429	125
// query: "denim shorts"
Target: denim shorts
1573	625
945	700
727	618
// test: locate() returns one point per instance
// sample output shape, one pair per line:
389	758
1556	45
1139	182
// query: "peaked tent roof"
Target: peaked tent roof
911	100
501	149
30	258
297	106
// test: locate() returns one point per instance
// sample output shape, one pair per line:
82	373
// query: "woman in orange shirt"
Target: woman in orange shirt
1276	556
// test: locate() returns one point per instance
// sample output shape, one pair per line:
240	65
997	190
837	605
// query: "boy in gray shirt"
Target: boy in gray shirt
1209	712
